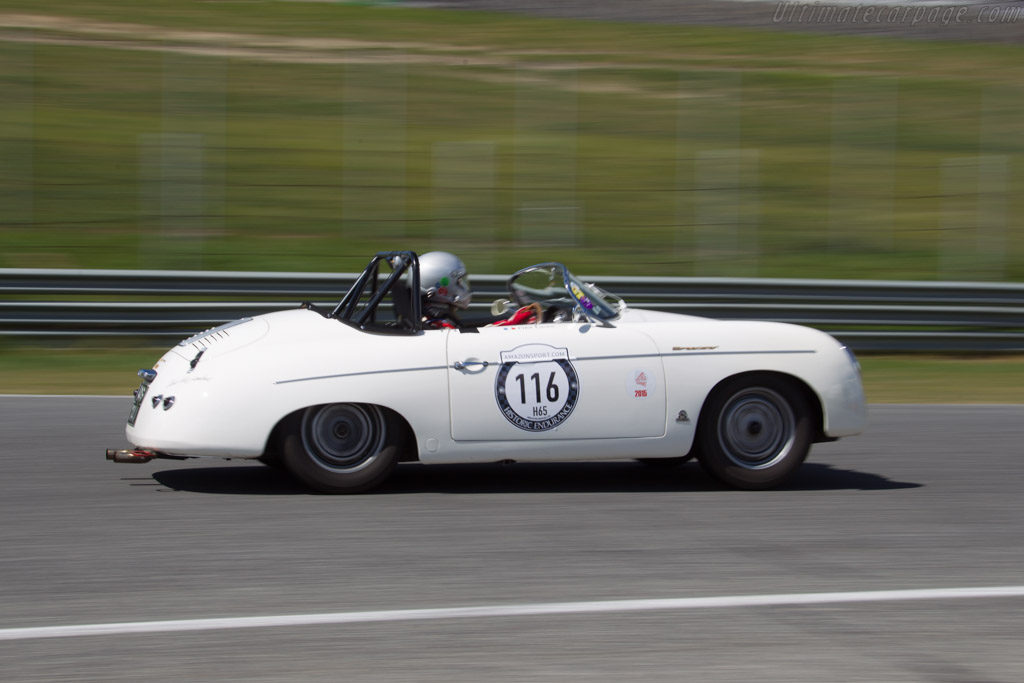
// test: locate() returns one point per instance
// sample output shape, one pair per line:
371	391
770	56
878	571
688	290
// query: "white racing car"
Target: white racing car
339	397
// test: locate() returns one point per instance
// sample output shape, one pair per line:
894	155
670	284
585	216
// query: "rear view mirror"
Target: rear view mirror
500	306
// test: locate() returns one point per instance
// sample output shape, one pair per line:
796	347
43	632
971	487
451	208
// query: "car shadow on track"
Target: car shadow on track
576	477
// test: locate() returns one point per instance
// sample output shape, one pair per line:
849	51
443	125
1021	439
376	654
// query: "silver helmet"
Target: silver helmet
443	280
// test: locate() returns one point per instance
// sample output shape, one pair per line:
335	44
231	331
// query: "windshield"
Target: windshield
553	287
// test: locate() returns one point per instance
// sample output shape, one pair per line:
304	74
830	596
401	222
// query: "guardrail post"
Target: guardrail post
194	103
547	208
464	181
17	183
726	230
374	193
973	240
862	168
171	182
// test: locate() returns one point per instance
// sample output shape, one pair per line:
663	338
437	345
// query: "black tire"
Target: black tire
755	431
666	463
273	455
272	459
343	447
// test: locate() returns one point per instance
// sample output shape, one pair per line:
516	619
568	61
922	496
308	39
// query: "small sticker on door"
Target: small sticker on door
640	384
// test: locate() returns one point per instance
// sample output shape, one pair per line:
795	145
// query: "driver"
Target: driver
445	289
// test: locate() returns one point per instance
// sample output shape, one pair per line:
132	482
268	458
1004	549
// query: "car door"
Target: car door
571	380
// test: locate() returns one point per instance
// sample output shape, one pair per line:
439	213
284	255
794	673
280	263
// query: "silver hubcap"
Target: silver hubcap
343	437
757	428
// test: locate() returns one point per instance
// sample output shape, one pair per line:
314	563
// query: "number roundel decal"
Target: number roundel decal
536	387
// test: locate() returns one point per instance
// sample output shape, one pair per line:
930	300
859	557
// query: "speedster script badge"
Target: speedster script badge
536	387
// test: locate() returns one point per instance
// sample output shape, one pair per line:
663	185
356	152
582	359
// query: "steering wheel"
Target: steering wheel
556	314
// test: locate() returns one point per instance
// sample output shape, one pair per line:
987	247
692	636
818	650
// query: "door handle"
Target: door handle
464	365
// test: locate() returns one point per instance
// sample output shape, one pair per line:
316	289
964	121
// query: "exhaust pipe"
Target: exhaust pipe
136	455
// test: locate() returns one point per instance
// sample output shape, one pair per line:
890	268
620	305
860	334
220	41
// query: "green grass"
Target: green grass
76	370
939	379
468	131
88	369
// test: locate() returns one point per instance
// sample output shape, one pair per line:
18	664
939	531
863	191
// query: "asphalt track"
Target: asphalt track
928	499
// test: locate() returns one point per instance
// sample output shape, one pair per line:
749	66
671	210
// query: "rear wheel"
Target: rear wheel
755	431
273	455
343	447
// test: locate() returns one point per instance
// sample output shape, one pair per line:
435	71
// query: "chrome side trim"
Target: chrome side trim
582	358
695	353
360	374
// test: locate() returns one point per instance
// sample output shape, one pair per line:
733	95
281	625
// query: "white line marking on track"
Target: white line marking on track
526	610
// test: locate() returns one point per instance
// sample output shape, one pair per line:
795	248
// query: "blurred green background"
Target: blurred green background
295	136
306	136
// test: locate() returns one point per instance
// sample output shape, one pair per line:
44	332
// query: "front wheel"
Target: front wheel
343	447
755	431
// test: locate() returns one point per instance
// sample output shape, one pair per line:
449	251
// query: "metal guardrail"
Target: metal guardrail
867	315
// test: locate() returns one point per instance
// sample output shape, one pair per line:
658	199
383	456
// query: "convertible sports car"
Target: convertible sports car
339	397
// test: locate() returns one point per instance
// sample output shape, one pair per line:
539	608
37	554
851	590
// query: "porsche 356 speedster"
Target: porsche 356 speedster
337	397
